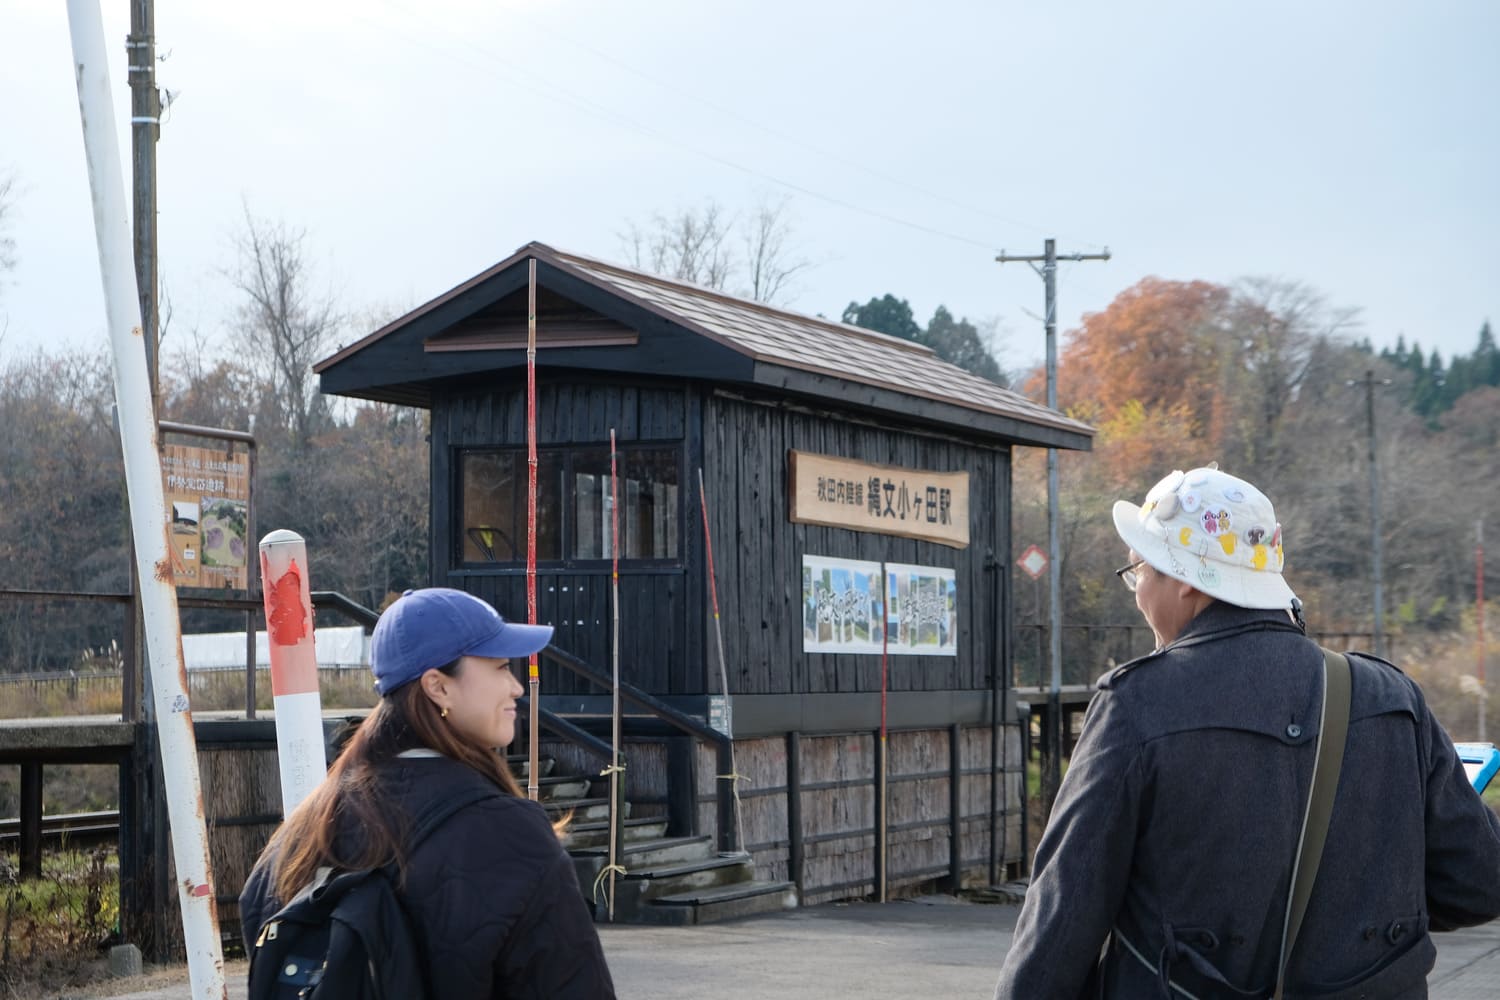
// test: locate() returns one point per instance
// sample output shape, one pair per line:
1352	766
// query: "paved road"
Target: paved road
936	946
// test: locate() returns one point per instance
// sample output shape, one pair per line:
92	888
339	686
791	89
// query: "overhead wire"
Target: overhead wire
565	96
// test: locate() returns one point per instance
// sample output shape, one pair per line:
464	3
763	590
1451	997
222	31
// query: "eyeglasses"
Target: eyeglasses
1128	576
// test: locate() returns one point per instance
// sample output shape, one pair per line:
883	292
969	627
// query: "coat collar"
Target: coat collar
1219	617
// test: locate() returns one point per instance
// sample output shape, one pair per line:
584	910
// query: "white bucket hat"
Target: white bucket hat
1212	530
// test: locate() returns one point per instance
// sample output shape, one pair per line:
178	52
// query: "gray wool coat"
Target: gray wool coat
1165	868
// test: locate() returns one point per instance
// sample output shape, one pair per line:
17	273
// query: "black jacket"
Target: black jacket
491	892
1177	824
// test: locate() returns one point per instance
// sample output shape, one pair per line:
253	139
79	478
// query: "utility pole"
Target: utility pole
1370	382
1479	619
1052	736
145	119
144	887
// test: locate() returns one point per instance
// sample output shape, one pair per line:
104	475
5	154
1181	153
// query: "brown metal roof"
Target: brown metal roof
811	344
776	338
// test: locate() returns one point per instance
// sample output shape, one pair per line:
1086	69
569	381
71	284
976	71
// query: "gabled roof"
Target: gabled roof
593	314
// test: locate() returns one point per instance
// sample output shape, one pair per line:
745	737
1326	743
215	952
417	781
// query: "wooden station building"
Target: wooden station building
858	498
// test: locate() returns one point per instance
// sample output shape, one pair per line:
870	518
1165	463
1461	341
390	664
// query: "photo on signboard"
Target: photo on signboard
184	517
224	530
840	605
922	610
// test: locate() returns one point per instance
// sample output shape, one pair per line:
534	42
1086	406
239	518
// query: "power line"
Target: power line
723	110
488	61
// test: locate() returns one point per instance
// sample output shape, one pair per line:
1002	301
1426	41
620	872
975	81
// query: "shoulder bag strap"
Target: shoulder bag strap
1332	731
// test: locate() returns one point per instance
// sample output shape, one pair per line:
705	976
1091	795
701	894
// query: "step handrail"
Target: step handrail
722	744
581	738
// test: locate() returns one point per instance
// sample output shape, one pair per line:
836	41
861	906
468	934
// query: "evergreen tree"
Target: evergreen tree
886	314
1486	358
958	341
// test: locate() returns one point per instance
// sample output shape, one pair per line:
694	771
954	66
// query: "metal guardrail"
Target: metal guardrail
63	828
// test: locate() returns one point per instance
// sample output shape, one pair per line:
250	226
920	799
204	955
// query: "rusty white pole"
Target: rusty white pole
148	511
294	666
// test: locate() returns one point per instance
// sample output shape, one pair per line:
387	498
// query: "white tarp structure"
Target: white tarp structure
346	646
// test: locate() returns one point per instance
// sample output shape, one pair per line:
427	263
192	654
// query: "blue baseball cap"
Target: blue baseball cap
430	628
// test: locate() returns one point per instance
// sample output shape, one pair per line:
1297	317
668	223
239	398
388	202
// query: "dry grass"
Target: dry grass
53	928
218	690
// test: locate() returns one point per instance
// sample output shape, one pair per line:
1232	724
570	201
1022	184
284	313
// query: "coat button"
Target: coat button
1395	932
1369	933
1293	731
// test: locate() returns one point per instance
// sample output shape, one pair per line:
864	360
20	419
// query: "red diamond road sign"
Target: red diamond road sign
1033	561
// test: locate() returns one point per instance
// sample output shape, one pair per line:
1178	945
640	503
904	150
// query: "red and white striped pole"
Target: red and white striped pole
294	666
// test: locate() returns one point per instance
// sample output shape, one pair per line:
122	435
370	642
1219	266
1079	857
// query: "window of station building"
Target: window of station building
573	504
493	490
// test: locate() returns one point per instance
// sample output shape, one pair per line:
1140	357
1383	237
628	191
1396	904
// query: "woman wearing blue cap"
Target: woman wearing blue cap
490	893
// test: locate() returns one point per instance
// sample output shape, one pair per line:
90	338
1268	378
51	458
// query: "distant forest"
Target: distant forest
1263	377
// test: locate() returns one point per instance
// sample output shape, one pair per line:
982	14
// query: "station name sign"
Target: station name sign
891	500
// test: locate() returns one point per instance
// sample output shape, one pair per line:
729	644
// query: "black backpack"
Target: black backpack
346	936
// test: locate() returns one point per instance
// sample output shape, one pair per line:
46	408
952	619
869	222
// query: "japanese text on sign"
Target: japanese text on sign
208	501
863	497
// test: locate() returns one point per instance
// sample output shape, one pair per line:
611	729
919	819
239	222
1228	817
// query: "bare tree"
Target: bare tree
283	326
771	256
7	210
7	242
688	246
1272	325
691	245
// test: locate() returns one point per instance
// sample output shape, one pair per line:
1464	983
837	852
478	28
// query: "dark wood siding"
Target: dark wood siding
666	618
661	631
758	550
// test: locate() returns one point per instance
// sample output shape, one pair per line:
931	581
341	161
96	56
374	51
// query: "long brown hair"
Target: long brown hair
350	796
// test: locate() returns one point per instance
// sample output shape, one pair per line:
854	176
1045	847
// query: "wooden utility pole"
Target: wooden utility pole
144	888
1052	734
145	128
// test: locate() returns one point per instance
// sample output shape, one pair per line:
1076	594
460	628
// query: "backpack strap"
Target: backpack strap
1332	732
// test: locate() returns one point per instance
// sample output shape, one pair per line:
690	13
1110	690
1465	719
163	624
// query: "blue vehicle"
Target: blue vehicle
1481	760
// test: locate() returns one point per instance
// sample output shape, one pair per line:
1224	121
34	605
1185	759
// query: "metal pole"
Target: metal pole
1375	515
1054	571
883	844
615	802
1052	738
713	592
148	512
533	671
1479	617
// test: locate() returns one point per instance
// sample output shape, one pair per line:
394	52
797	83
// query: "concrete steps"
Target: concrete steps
723	902
595	833
667	880
520	766
582	809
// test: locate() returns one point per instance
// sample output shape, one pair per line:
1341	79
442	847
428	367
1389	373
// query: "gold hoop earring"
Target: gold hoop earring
444	713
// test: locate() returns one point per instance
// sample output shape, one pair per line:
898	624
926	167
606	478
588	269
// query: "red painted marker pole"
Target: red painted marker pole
294	666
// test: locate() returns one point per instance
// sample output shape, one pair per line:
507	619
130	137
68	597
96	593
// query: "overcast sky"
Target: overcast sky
1351	146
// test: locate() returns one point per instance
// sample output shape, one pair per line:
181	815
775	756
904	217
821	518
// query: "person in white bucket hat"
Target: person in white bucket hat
1166	865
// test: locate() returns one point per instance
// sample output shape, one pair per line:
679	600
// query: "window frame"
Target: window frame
568	533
